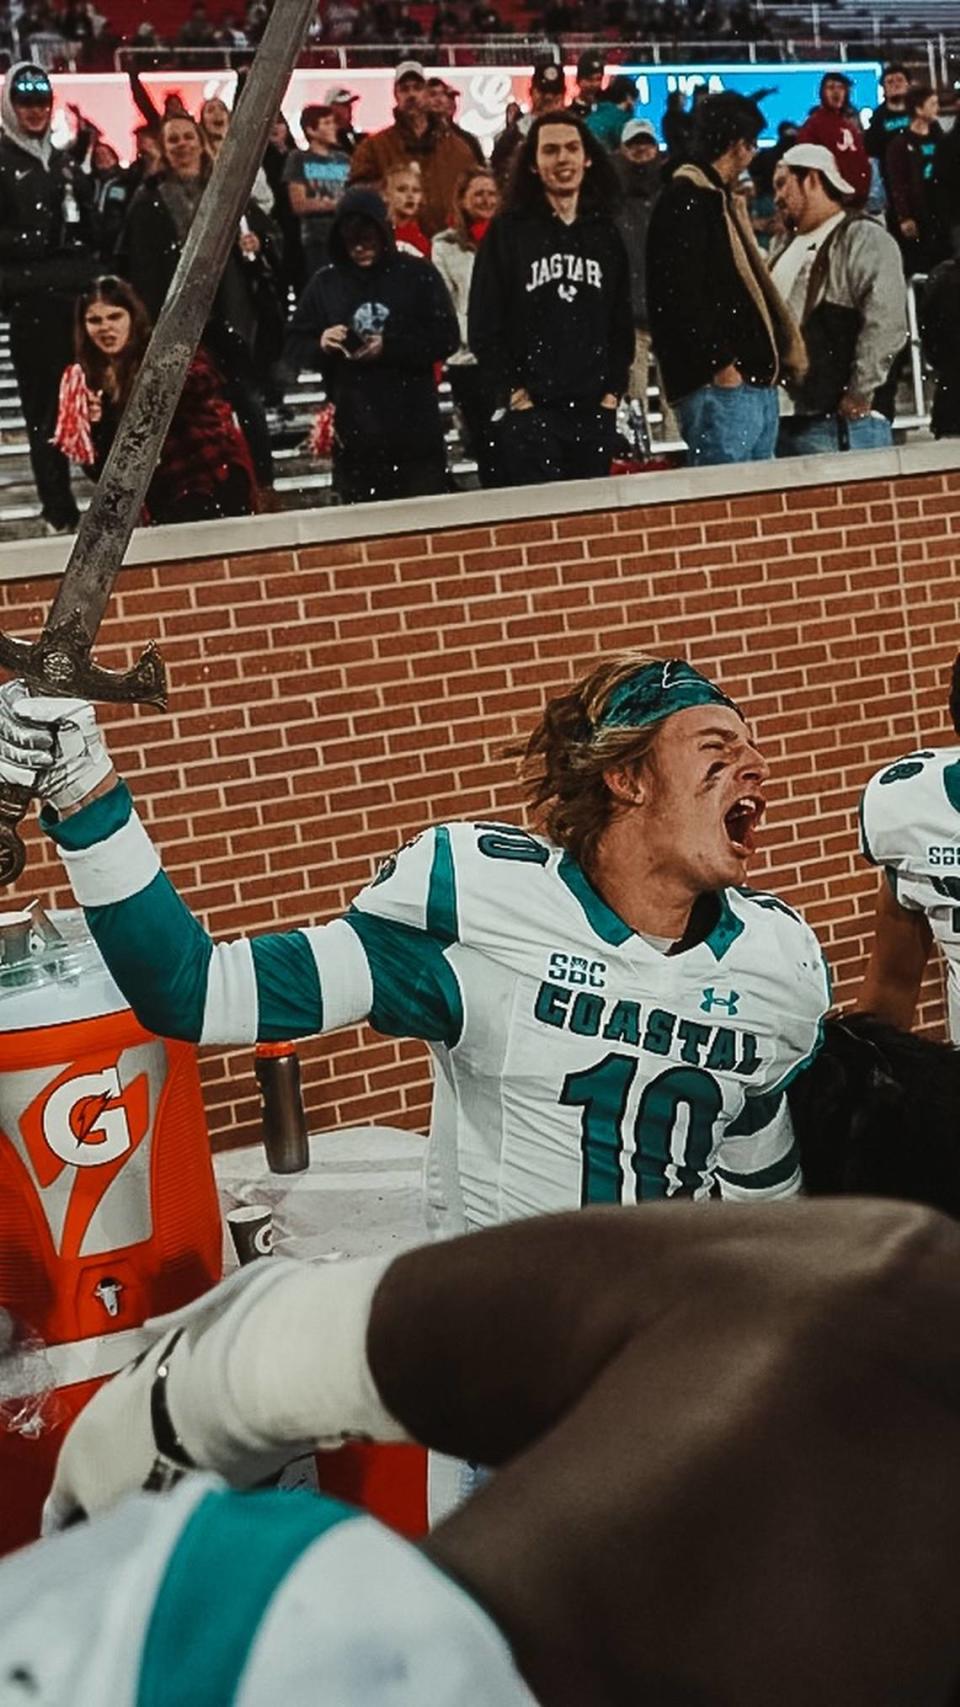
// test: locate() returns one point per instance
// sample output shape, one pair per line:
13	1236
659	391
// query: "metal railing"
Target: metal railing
809	41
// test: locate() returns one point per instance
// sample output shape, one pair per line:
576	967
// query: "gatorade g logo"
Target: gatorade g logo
90	1123
85	1121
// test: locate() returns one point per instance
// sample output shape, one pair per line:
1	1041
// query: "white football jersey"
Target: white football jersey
575	1062
910	825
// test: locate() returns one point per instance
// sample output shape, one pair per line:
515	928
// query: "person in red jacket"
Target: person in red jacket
835	125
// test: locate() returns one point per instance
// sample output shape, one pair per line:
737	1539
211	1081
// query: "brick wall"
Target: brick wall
329	700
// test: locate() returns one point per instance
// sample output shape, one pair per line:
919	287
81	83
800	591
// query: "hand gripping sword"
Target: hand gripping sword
59	661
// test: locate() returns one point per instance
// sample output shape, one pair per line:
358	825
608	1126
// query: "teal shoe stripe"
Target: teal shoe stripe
234	1552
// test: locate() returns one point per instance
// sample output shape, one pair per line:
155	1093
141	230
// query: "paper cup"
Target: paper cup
251	1229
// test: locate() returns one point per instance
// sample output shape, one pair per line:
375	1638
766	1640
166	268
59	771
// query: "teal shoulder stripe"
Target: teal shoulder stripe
865	847
776	1174
416	992
608	925
757	1112
159	955
233	1554
726	930
93	823
289	998
442	921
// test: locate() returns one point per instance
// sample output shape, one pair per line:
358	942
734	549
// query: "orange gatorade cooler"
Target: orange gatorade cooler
108	1208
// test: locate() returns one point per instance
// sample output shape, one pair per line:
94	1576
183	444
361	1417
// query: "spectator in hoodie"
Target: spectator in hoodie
722	335
550	317
911	169
454	254
403	195
639	171
48	252
889	119
839	273
834	125
420	135
377	321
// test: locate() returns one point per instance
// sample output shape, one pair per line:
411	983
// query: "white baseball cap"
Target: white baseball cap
409	68
638	127
819	159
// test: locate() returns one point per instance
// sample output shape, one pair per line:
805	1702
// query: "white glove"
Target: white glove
267	1366
26	749
80	759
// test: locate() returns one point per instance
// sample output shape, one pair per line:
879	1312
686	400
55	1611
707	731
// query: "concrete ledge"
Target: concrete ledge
23	560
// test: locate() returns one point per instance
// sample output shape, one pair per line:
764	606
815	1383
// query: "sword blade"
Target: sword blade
105	530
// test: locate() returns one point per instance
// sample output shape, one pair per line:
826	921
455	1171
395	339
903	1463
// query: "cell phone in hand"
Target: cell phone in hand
353	341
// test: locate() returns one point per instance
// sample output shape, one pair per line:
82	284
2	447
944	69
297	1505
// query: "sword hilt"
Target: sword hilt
59	662
14	799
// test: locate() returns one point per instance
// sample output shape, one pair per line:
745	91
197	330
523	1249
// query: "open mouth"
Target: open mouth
742	821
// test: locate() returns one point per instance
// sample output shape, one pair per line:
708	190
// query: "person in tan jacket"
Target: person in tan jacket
421	136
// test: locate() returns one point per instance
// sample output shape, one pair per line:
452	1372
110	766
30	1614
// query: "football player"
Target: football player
910	826
727	1440
614	1015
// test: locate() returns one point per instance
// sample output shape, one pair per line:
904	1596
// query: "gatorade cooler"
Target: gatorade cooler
108	1209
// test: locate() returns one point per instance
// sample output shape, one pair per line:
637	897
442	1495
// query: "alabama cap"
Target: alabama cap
818	159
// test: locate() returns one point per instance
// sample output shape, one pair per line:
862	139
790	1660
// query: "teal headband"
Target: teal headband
656	691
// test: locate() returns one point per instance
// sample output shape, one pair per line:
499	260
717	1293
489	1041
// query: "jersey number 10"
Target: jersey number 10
602	1091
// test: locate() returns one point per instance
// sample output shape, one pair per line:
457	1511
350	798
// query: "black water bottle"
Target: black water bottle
281	1105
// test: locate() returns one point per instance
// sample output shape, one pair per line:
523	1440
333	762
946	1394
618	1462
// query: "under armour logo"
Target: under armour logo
567	292
711	1000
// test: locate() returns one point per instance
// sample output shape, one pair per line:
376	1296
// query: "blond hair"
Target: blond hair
564	760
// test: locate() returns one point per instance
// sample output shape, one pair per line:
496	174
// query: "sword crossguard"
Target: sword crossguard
59	662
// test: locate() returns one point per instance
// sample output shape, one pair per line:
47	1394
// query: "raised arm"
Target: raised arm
902	940
179	982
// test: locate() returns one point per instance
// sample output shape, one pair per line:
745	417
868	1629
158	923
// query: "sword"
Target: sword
59	661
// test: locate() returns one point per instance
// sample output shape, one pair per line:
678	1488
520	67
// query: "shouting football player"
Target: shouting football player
613	1015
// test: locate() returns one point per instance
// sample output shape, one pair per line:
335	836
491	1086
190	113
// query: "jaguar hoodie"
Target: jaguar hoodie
550	306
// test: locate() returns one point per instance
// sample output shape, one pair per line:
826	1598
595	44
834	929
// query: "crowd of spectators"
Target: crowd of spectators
768	287
76	34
